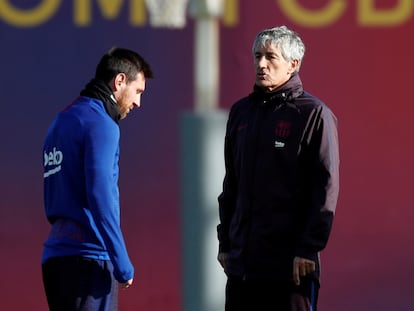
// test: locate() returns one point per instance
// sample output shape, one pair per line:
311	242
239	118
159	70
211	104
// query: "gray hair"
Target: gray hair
287	41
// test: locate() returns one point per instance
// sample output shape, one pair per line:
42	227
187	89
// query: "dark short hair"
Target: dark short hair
120	60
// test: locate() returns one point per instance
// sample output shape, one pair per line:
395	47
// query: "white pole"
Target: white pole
202	167
206	52
202	172
206	64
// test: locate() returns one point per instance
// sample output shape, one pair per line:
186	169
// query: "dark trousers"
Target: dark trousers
267	295
76	283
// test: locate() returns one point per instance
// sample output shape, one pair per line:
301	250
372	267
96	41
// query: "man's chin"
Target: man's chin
264	86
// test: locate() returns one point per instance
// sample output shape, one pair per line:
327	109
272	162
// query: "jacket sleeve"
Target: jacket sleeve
227	199
101	171
323	185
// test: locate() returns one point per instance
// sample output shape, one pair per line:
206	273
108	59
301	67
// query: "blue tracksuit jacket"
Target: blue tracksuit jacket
81	196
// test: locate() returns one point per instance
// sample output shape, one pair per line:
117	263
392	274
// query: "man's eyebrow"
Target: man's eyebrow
267	54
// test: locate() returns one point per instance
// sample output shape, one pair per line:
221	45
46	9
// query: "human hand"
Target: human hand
302	267
222	258
127	284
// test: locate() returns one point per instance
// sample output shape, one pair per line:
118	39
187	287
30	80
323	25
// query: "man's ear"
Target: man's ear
294	64
118	81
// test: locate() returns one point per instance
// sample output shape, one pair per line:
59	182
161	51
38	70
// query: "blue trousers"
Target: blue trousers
270	295
75	283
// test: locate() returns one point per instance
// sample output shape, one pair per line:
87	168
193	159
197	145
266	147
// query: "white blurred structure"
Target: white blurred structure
201	161
202	167
167	13
202	172
206	52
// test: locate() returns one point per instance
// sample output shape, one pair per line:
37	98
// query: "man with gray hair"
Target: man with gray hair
281	184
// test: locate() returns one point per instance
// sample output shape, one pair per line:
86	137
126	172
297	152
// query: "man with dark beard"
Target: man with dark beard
85	256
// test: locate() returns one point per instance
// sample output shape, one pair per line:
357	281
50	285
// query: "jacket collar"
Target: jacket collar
100	90
286	93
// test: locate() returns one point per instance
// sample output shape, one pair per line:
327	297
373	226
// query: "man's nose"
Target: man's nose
261	62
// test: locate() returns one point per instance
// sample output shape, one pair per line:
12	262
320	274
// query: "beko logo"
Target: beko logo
52	158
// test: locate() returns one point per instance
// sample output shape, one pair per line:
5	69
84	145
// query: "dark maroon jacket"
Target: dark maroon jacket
281	184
